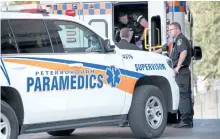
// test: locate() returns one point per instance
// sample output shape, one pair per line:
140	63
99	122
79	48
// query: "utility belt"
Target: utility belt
183	66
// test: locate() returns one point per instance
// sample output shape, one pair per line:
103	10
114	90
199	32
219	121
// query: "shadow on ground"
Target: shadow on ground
203	129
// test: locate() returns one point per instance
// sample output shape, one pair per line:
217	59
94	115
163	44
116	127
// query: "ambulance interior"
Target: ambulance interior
134	9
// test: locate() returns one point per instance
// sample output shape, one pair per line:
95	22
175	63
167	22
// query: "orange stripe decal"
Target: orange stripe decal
126	83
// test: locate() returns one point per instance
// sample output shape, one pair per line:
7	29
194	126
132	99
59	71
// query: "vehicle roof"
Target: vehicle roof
18	15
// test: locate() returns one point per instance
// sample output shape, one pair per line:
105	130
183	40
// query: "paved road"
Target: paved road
203	129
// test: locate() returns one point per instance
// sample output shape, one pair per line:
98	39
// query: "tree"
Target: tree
207	35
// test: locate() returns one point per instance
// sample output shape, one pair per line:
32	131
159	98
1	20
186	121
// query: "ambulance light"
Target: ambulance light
167	7
37	10
70	12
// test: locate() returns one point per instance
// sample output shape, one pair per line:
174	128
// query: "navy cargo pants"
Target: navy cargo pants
183	79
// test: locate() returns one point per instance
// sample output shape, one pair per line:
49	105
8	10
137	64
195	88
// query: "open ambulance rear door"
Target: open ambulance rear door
157	25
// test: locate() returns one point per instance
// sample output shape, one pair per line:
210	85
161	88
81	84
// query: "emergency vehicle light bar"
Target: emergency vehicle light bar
70	12
31	9
34	10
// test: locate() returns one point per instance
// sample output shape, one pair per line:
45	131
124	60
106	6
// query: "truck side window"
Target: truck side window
54	36
31	36
8	45
77	38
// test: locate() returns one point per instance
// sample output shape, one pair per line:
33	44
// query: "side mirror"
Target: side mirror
197	53
192	22
189	17
108	47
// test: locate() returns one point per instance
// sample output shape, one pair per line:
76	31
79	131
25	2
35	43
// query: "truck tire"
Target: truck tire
148	103
9	122
61	132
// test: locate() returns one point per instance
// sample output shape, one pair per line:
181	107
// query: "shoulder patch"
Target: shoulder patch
179	42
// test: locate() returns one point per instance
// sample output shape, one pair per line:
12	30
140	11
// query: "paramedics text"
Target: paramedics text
64	80
143	67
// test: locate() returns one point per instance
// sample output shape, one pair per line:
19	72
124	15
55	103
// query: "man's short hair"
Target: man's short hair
121	14
177	25
125	32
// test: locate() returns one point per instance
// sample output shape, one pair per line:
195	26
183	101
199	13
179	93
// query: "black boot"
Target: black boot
183	125
191	123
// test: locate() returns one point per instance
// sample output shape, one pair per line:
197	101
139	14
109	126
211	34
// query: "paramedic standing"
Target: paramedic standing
181	57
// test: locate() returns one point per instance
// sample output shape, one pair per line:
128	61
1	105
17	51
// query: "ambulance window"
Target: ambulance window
77	38
8	45
100	23
31	36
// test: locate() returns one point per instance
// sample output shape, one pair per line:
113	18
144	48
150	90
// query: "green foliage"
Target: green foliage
206	34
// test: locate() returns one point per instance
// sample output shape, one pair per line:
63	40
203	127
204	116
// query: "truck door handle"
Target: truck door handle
76	65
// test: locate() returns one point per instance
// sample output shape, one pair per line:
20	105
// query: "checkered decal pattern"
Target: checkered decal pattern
61	8
101	8
176	6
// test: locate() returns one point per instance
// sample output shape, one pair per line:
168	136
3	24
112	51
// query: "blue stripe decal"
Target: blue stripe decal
5	72
96	66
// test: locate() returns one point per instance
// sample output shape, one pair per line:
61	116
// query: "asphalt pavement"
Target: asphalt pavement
203	129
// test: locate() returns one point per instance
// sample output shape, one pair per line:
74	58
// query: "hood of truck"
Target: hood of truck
148	56
147	63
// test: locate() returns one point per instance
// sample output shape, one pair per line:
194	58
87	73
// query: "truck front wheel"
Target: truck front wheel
9	122
148	112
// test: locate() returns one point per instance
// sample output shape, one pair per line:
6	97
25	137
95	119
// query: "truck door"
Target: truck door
157	25
99	16
98	85
28	41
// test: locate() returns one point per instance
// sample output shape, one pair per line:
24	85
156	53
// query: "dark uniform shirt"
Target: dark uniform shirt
124	44
135	27
181	43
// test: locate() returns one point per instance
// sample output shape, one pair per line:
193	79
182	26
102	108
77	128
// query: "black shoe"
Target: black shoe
183	125
191	124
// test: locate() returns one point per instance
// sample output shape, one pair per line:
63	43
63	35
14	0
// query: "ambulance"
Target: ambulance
103	16
58	74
